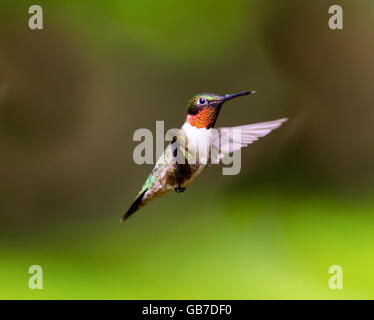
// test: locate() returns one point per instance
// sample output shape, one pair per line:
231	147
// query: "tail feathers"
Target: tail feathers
135	206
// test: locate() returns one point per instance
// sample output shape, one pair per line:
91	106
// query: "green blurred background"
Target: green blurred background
72	95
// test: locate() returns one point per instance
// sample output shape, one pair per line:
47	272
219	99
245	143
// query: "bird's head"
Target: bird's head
203	108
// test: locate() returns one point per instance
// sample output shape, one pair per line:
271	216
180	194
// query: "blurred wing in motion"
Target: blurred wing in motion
231	139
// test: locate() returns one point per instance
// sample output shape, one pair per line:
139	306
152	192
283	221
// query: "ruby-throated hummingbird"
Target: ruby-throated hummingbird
202	113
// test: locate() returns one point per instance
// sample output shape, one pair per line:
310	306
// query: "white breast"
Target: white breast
198	140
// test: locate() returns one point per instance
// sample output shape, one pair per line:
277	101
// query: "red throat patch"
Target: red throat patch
205	118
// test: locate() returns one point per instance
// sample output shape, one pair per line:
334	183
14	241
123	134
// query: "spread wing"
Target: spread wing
231	139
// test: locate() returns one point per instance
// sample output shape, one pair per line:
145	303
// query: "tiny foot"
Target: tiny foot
179	189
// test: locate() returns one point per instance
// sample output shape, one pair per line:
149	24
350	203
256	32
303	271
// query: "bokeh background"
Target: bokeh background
72	95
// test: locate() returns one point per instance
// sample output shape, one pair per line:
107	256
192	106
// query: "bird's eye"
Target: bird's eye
202	101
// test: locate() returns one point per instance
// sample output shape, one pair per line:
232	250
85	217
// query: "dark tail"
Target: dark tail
135	206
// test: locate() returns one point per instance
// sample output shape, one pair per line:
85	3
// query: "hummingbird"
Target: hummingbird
198	128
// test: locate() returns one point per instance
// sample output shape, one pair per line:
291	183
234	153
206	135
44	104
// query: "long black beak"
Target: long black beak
234	95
